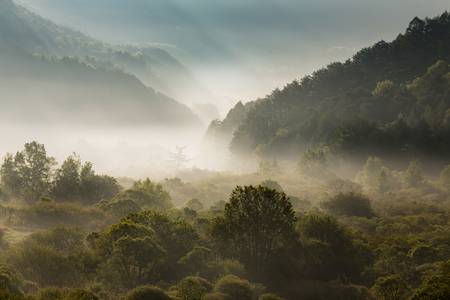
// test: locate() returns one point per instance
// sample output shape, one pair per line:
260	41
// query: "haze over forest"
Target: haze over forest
196	52
222	150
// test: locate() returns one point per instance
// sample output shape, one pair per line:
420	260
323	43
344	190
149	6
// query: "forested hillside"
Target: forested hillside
389	99
154	66
62	88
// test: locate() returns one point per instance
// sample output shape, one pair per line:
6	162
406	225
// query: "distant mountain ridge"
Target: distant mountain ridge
66	86
154	66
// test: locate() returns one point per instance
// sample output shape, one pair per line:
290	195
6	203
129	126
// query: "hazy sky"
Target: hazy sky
243	49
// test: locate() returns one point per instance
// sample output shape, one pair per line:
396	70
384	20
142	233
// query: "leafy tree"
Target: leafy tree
329	247
435	287
349	204
147	292
67	179
190	289
218	205
234	288
122	207
272	184
270	169
28	174
42	264
176	236
337	185
10	280
194	204
413	176
197	259
384	87
147	195
371	170
255	222
391	288
314	163
201	224
137	260
132	251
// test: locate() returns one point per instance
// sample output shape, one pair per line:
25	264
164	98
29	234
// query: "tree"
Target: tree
67	179
190	289
382	184
176	236
268	169
194	204
255	222
177	159
337	185
147	195
131	250
435	287
391	288
28	175
413	176
148	292
371	170
197	259
137	260
349	204
234	288
272	184
314	163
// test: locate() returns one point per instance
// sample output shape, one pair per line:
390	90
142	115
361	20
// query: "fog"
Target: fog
232	51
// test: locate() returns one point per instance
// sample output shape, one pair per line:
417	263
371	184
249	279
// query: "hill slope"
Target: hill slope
65	89
154	66
360	107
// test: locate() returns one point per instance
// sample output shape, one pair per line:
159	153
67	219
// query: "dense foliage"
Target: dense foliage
388	100
333	238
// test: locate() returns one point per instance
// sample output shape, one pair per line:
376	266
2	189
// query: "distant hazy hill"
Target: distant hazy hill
155	67
389	99
45	88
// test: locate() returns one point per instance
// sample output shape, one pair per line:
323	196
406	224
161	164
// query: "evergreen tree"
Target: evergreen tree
382	184
413	176
371	170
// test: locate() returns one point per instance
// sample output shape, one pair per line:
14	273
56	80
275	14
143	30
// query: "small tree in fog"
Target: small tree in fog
272	184
268	169
413	176
337	185
177	159
314	163
382	184
371	170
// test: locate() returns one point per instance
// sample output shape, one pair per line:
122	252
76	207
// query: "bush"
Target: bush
234	288
147	292
349	204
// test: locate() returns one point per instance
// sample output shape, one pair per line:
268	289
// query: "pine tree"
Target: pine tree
177	159
371	170
382	184
413	177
